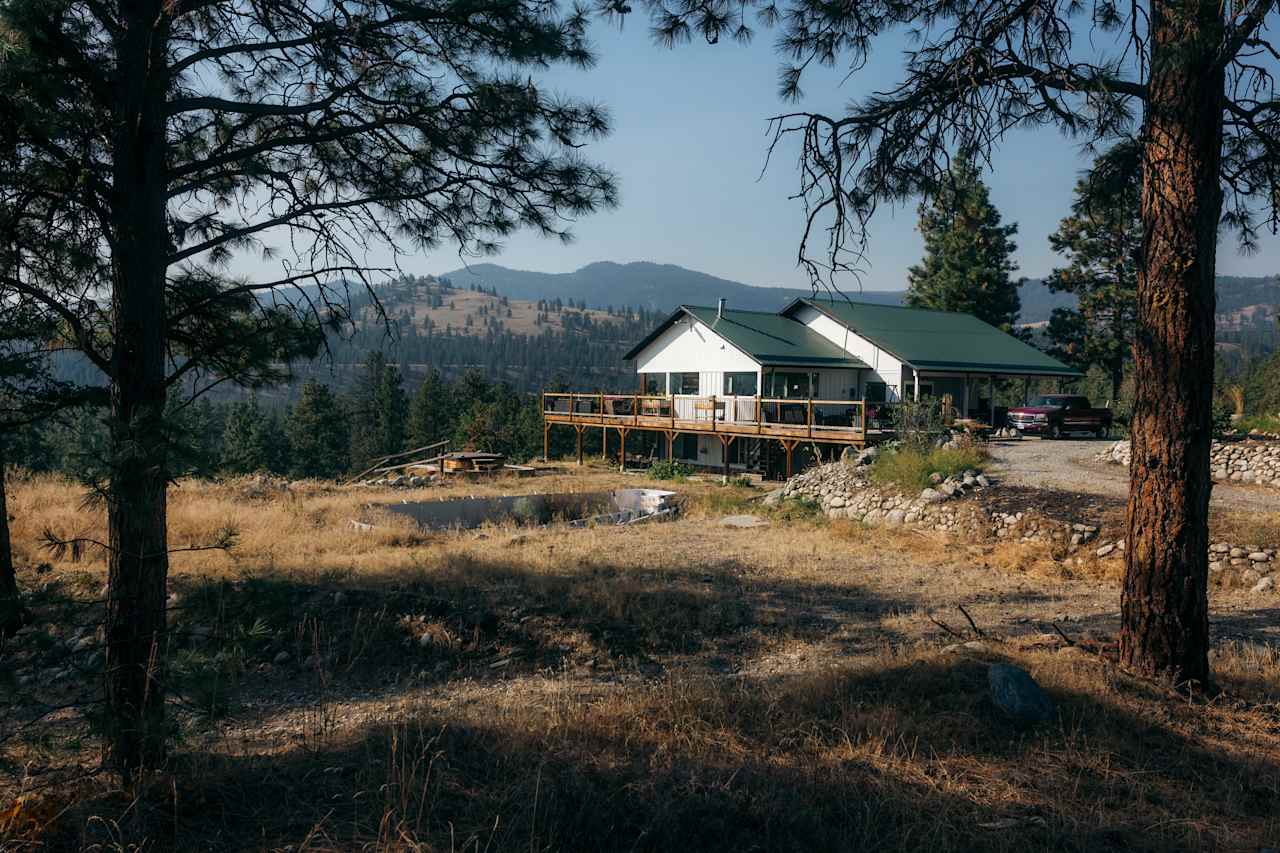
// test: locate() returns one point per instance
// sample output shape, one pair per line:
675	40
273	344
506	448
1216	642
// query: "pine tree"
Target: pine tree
1102	240
968	253
431	413
380	411
270	443
316	428
241	451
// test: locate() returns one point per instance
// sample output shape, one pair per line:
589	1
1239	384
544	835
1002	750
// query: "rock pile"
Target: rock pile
956	505
1248	565
844	491
1229	565
1230	461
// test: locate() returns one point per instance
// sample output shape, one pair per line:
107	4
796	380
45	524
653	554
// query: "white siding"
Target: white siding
688	346
838	385
884	366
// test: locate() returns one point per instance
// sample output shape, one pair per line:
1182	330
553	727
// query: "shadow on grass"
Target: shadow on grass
896	756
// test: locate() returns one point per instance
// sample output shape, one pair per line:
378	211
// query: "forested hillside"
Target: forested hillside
661	287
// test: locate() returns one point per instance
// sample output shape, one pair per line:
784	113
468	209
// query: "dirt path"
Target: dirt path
1068	467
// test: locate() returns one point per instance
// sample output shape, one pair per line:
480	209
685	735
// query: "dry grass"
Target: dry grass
673	686
523	319
1247	528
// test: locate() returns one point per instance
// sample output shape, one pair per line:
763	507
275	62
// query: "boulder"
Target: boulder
932	496
1017	695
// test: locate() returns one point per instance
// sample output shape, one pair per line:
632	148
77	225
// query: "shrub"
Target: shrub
666	469
909	468
799	509
1259	423
1221	419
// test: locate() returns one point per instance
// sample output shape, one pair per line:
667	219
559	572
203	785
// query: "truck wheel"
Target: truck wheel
1055	431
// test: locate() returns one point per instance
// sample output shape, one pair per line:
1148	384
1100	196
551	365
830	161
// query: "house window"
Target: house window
740	384
877	392
683	383
653	384
793	385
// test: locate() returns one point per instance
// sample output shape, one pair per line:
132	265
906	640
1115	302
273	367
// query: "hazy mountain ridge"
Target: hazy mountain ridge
661	287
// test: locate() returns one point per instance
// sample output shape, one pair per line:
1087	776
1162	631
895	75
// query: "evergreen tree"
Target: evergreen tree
241	451
316	428
159	140
431	413
270	443
195	431
1102	240
380	411
968	253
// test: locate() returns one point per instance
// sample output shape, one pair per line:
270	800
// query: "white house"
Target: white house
740	358
723	384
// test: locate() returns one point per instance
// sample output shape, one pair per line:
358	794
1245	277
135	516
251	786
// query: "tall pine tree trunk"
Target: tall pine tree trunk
1164	607
11	613
136	504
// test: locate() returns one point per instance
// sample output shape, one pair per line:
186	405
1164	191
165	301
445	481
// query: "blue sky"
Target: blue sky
688	144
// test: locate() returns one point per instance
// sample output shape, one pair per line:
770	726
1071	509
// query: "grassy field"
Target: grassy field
461	304
677	686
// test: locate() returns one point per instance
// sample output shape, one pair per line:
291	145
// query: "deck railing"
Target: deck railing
730	413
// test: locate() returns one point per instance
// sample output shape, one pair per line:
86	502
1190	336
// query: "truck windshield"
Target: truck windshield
1051	400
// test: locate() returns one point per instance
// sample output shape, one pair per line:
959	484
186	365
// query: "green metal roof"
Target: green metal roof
770	339
938	340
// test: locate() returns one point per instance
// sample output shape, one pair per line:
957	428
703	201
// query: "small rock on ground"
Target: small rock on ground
1016	693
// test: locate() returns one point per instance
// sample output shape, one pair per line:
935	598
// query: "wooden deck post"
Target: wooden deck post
810	417
546	438
579	428
622	449
725	442
604	440
671	438
788	445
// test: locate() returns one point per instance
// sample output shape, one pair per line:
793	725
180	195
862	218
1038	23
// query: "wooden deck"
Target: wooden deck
789	421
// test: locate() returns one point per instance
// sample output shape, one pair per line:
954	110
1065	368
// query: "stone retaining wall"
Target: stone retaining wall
1248	461
952	505
957	506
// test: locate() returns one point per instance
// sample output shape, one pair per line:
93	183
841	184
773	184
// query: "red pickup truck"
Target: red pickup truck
1055	415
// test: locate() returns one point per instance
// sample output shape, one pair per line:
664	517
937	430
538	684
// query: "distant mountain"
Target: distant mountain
654	287
661	287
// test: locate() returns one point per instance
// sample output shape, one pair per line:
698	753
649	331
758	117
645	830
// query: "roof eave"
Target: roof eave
1006	369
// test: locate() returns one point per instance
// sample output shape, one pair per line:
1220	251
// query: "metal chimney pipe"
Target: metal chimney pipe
720	309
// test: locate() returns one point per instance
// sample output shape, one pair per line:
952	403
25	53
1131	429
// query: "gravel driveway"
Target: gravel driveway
1067	467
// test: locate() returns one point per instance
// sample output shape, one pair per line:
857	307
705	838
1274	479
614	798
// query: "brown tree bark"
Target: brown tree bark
1164	606
136	500
12	616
